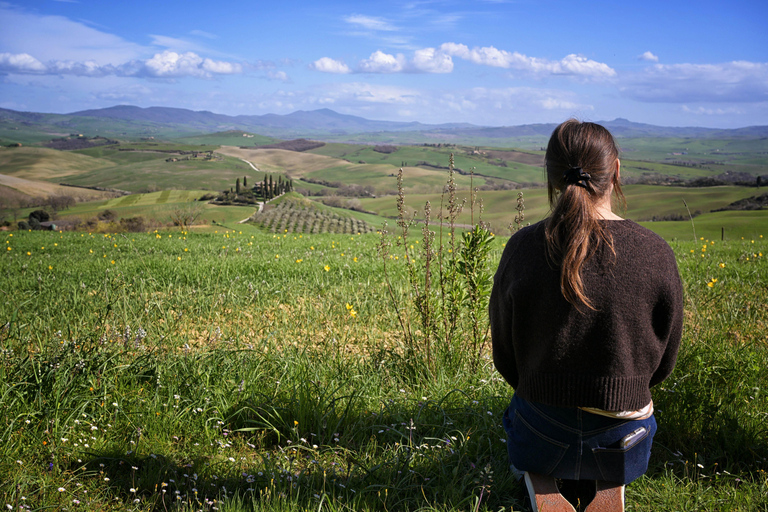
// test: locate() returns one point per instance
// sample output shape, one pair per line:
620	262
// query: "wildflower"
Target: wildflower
327	268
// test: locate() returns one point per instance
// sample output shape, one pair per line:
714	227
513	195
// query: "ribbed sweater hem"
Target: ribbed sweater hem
608	393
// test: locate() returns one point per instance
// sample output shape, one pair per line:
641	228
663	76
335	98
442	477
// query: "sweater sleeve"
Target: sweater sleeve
500	313
668	320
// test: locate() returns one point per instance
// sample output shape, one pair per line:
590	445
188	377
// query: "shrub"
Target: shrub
40	216
108	215
133	224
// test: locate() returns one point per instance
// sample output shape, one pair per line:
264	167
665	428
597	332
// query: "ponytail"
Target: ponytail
580	161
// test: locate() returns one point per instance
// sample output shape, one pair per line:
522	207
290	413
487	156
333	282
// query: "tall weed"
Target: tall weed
448	282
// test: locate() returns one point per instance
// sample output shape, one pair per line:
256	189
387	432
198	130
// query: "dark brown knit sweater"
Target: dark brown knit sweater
608	358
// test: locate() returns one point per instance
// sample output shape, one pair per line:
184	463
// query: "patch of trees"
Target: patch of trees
292	145
78	142
749	203
261	191
673	217
386	149
116	191
507	185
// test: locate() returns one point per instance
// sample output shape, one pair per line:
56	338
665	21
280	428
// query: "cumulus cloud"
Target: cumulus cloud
574	65
167	64
20	63
430	60
738	81
380	62
329	65
426	60
648	56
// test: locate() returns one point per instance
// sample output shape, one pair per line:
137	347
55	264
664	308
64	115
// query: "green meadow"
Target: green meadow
236	370
267	365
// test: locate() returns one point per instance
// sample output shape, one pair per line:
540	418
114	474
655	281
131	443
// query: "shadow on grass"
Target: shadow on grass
406	456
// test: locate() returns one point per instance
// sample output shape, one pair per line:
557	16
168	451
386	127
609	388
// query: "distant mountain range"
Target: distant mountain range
328	123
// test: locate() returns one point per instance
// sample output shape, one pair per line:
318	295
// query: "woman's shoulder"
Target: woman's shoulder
633	231
639	244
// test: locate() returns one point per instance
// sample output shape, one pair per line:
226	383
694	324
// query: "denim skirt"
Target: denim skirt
568	443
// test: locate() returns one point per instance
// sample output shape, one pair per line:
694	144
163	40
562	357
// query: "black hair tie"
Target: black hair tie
576	176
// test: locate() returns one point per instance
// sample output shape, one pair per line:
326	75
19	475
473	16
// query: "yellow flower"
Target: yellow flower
352	313
277	256
710	284
349	306
299	260
722	265
50	267
327	268
113	261
29	253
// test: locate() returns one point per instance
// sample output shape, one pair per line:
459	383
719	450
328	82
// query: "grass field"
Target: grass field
251	371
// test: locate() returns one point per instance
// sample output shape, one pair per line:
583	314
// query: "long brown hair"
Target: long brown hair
573	230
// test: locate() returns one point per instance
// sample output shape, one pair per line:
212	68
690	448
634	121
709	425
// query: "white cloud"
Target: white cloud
218	67
430	60
574	65
738	81
167	64
648	56
280	76
380	62
370	23
329	65
20	63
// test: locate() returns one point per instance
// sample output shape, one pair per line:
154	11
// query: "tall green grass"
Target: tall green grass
256	371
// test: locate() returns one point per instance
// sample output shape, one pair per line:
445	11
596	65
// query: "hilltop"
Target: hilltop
131	122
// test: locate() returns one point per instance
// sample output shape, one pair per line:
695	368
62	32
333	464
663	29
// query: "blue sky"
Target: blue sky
486	62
